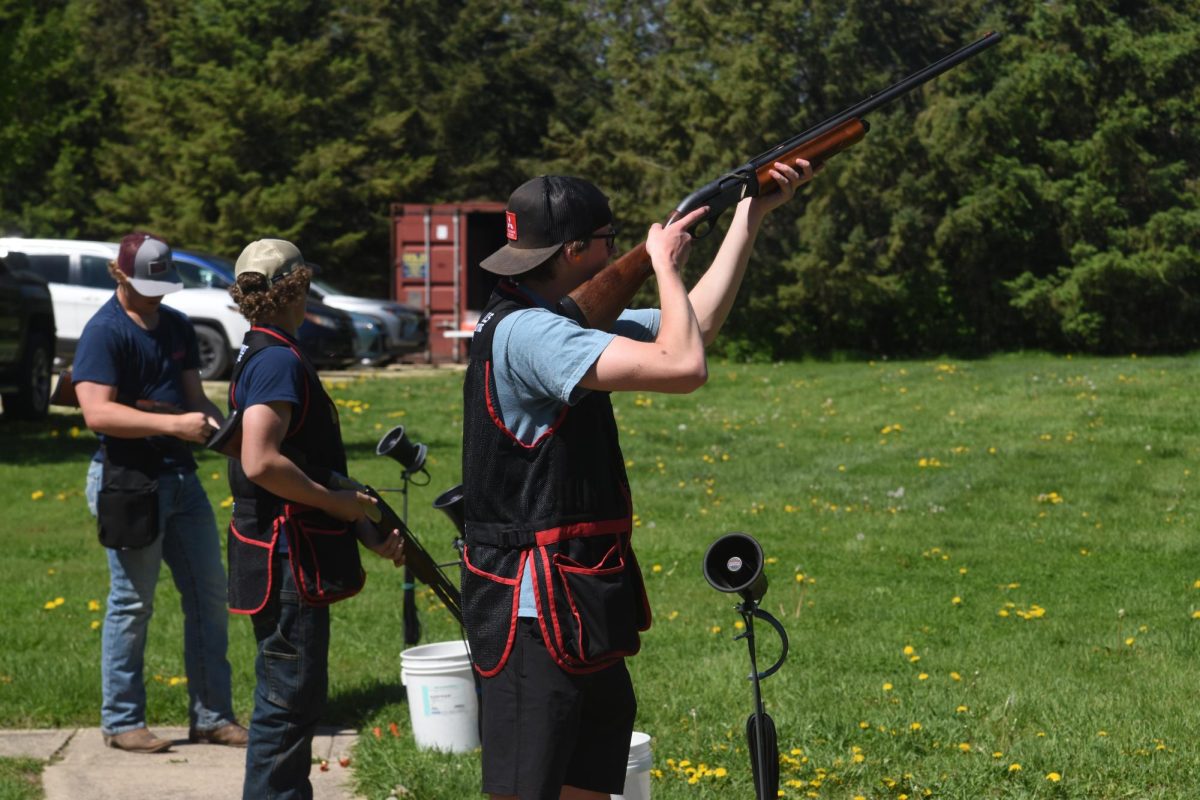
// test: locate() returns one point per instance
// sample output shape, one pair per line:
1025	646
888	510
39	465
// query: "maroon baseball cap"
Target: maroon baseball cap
544	214
146	262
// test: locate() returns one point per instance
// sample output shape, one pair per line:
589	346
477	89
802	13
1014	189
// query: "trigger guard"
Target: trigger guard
703	229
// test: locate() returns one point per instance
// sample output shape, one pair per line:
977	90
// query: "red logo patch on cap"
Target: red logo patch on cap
510	219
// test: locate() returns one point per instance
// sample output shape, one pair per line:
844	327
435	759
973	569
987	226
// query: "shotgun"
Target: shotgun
227	441
599	301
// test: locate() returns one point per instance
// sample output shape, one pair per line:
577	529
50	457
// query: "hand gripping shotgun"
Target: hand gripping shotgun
228	441
599	301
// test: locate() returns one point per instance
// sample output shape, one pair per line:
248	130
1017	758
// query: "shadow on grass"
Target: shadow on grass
355	706
47	442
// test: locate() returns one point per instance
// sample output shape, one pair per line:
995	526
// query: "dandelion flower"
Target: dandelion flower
1014	767
924	676
916	726
38	495
656	568
887	687
954	676
965	747
961	710
95	624
716	628
93	605
1053	777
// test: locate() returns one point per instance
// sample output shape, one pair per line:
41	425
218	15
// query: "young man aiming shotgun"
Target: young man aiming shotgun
552	596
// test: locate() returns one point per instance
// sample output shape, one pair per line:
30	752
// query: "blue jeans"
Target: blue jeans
188	543
293	681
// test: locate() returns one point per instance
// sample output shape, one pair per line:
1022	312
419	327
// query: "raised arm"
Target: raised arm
712	297
674	361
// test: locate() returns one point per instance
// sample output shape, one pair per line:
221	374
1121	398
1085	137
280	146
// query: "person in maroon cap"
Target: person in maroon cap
137	357
553	600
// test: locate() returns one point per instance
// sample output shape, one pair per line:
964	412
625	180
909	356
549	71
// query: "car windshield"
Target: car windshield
196	276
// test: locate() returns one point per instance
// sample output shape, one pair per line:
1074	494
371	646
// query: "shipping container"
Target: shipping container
436	250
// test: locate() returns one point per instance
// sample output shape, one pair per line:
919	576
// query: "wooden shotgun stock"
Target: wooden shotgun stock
599	301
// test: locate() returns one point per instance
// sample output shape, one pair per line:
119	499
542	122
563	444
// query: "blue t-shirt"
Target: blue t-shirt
274	375
538	359
143	365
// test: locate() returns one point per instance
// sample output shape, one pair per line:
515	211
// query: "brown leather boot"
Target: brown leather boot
230	734
138	740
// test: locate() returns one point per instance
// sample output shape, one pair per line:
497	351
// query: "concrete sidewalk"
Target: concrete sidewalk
82	767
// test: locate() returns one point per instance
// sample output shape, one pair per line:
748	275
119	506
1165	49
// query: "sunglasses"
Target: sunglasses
608	237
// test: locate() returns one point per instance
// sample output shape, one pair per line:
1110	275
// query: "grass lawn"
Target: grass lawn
988	571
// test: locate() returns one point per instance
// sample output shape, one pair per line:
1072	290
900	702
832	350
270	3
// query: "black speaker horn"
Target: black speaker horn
734	563
450	502
395	444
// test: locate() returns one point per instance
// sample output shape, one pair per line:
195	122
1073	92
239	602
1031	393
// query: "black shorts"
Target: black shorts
544	728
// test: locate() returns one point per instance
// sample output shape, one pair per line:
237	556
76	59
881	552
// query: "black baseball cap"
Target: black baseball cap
544	214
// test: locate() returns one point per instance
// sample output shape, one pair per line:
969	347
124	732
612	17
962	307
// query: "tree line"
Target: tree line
1044	194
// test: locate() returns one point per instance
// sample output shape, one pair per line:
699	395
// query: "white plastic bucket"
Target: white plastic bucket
637	773
441	696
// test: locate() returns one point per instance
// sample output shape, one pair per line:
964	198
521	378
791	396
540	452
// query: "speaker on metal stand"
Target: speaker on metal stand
411	457
734	563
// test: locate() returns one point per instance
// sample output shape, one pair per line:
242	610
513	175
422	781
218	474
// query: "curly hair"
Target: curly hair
257	299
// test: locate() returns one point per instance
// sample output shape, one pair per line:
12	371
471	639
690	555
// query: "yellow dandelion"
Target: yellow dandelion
961	710
887	687
95	624
93	605
956	600
924	676
656	568
864	724
954	676
720	772
909	650
1014	767
965	747
716	629
1053	777
38	495
916	726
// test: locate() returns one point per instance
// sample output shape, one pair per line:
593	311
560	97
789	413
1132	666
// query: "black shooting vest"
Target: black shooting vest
322	550
559	506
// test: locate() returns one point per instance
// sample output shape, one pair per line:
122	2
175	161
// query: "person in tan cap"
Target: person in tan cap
136	356
293	541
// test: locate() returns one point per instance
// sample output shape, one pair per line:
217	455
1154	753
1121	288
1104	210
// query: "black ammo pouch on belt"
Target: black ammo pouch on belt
127	506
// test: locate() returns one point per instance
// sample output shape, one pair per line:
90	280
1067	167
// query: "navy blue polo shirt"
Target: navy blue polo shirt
143	365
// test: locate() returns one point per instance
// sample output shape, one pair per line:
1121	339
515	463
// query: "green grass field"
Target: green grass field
988	570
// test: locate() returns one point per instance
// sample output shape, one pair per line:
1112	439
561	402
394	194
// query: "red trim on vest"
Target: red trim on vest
512	620
490	575
270	564
499	423
580	530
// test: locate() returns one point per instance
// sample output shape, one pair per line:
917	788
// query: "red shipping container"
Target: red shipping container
436	250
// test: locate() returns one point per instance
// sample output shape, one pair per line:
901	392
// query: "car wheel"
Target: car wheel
214	353
32	400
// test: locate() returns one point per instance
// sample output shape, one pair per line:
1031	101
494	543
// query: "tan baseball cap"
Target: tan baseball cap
274	259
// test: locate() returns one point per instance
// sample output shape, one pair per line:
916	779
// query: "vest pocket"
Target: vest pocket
595	602
126	507
324	557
